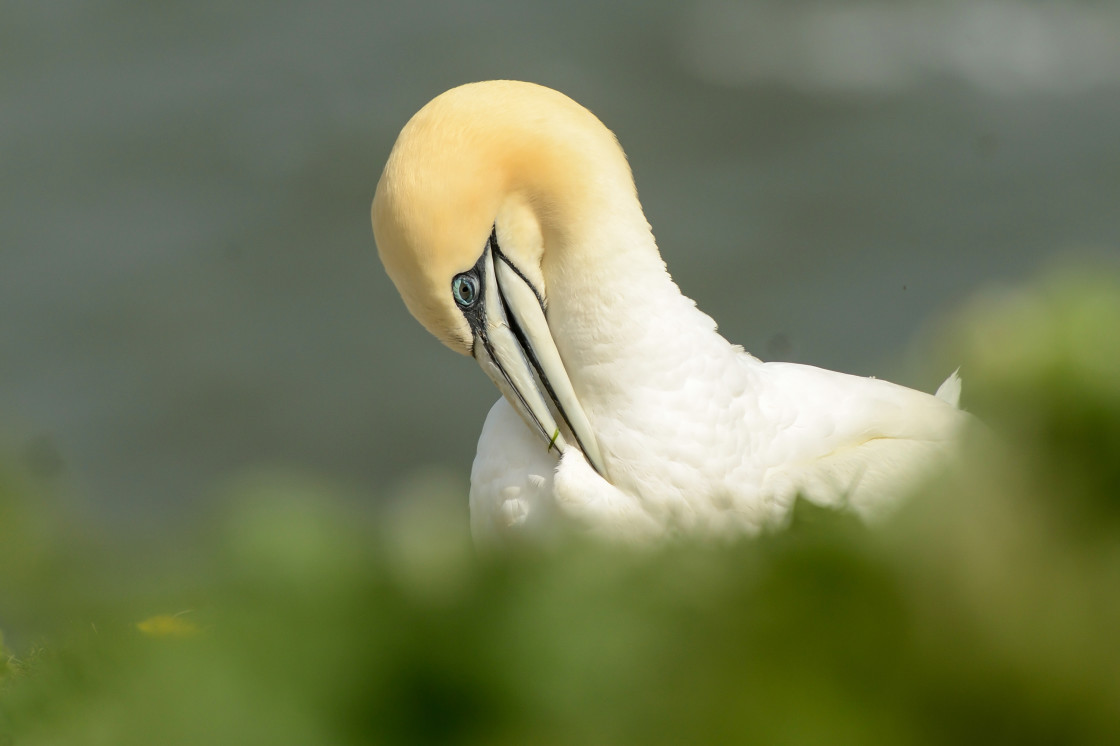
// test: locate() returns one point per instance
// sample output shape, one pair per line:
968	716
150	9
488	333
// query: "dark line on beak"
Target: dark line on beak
501	255
524	404
476	319
526	347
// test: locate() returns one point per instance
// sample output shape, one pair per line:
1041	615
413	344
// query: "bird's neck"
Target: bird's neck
618	319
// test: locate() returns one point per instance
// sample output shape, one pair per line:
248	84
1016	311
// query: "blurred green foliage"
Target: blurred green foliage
986	610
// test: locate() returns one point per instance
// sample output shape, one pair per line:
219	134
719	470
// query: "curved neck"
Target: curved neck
613	307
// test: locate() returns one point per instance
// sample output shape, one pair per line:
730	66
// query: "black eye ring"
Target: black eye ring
465	289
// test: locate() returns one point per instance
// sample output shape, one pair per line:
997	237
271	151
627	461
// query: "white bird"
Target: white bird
508	219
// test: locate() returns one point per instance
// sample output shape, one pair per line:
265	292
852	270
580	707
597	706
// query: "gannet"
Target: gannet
508	219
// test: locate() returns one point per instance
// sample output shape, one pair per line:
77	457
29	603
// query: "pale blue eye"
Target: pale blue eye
465	289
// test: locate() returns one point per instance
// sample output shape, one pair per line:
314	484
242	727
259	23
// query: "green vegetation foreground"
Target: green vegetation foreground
985	611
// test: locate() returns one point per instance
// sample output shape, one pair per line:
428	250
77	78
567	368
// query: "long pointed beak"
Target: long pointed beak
516	350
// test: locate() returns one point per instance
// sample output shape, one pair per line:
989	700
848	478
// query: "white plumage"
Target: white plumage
508	219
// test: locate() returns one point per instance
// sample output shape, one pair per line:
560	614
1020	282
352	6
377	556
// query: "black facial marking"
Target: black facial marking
500	255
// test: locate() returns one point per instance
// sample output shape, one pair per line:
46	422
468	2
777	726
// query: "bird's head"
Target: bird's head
479	199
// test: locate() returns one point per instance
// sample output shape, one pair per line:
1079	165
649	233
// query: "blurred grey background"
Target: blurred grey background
188	282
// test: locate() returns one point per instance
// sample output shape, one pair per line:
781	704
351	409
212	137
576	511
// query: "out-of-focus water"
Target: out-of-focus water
188	282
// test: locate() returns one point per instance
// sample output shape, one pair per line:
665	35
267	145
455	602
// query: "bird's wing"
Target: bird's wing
857	440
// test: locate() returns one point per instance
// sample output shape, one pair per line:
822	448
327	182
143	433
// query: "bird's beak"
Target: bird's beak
514	345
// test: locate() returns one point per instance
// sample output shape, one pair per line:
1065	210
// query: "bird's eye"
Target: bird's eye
465	289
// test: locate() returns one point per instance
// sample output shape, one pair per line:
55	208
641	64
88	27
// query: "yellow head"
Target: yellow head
504	156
